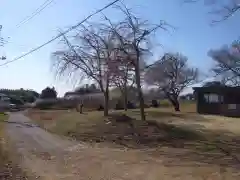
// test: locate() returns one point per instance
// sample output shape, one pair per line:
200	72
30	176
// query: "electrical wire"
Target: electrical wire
35	13
58	36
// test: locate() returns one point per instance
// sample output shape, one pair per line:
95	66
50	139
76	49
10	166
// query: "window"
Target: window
5	99
213	98
232	106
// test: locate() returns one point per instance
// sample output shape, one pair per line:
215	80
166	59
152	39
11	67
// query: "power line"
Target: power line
63	33
35	13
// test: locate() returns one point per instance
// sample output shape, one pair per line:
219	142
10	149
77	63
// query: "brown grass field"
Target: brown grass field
208	146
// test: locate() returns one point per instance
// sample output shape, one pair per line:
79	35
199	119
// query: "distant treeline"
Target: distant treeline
21	95
85	89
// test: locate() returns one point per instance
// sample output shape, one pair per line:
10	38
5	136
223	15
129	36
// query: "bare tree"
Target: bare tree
123	78
89	54
227	63
133	37
222	8
171	74
99	50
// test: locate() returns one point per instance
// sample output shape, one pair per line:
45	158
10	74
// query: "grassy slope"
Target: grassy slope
8	168
178	129
183	137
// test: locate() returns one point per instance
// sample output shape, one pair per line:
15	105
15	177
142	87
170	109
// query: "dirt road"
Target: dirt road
51	157
41	152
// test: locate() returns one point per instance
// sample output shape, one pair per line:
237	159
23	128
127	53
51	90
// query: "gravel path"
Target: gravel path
42	153
51	157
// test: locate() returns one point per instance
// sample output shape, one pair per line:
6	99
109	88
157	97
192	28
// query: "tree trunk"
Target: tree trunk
140	94
174	101
81	108
176	106
125	99
106	102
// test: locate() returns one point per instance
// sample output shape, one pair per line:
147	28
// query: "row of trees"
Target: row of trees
116	53
87	89
25	95
29	96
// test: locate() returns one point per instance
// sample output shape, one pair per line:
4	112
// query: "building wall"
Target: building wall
232	110
212	103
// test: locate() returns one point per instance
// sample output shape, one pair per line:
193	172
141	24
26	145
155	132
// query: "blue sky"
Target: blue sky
193	35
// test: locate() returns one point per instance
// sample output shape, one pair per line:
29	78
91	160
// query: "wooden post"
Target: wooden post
81	108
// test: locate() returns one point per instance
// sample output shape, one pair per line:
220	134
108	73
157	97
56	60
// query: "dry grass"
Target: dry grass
185	139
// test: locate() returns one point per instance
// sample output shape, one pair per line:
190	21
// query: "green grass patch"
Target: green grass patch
3	116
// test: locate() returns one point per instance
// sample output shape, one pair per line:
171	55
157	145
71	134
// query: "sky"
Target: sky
192	35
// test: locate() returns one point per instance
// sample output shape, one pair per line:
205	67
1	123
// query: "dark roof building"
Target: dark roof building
218	99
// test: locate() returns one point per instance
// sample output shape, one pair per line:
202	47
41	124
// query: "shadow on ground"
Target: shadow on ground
178	115
179	144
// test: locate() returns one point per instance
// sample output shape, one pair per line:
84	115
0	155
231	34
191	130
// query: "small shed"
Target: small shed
219	100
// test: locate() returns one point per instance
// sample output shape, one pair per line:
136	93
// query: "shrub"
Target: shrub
100	108
131	105
45	104
119	105
155	103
